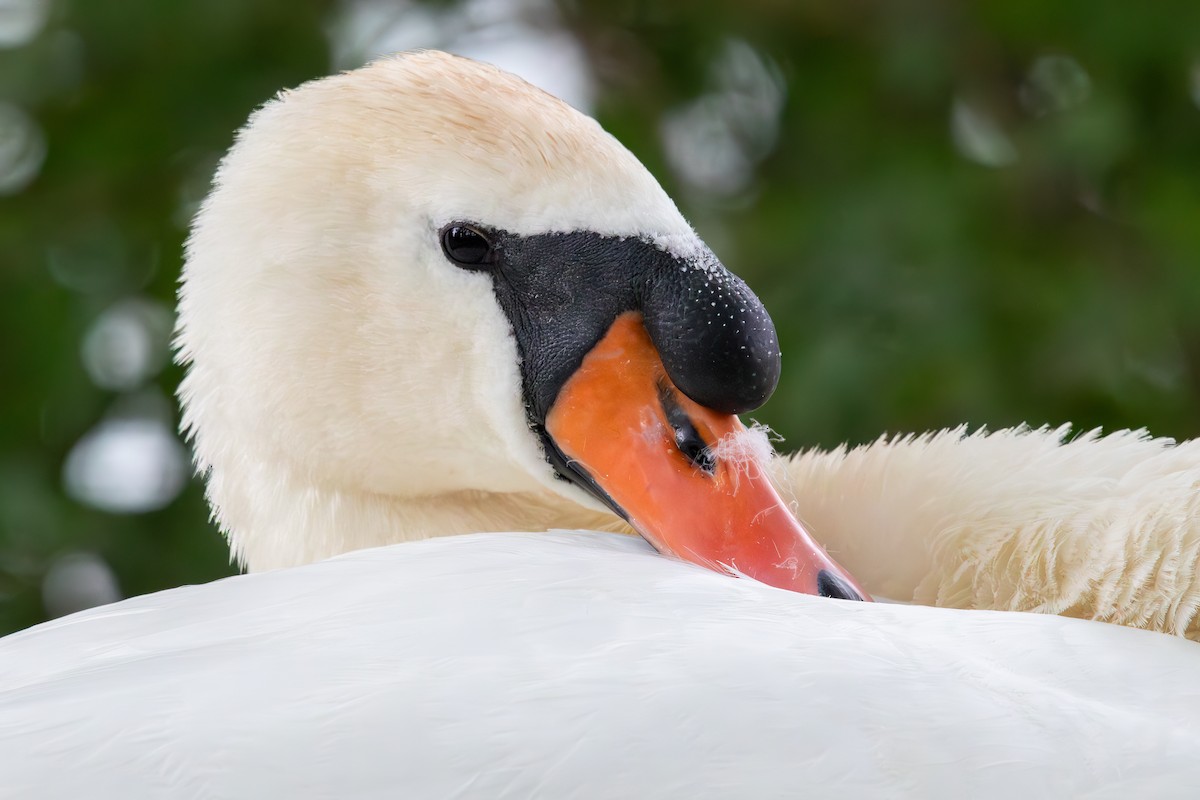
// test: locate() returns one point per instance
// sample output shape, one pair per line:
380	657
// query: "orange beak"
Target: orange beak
656	455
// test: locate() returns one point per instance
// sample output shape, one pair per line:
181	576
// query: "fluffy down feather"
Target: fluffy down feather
1099	527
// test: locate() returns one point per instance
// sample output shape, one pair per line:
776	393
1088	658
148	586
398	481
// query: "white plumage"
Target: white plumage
1099	527
348	389
582	665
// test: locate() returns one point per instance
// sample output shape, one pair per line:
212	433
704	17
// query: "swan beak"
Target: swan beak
674	470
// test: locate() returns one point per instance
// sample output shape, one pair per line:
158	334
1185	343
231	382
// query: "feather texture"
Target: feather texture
1100	527
575	664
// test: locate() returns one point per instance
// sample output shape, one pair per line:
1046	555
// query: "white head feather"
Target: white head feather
340	369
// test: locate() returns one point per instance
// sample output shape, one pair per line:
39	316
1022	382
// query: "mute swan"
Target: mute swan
406	306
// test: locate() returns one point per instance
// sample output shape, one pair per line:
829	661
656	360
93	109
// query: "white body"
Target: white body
583	665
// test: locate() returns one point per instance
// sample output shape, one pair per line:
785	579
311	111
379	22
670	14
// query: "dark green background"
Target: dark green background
913	286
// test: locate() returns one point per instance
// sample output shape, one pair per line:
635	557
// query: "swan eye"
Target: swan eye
466	246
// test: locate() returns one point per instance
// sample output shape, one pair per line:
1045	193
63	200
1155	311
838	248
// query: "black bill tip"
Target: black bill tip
830	584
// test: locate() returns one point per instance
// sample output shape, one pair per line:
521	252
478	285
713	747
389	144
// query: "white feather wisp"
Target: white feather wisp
748	451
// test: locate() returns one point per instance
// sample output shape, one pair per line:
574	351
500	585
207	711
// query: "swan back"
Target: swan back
574	663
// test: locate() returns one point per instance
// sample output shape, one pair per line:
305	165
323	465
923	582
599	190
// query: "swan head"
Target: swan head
424	294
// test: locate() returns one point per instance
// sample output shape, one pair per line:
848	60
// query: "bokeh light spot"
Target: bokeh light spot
21	21
524	37
96	257
127	344
127	464
714	142
22	149
78	581
978	137
1055	83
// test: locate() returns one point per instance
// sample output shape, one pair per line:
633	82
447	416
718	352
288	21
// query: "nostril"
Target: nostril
687	438
830	584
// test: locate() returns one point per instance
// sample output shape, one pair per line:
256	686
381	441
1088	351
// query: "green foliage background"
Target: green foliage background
913	287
